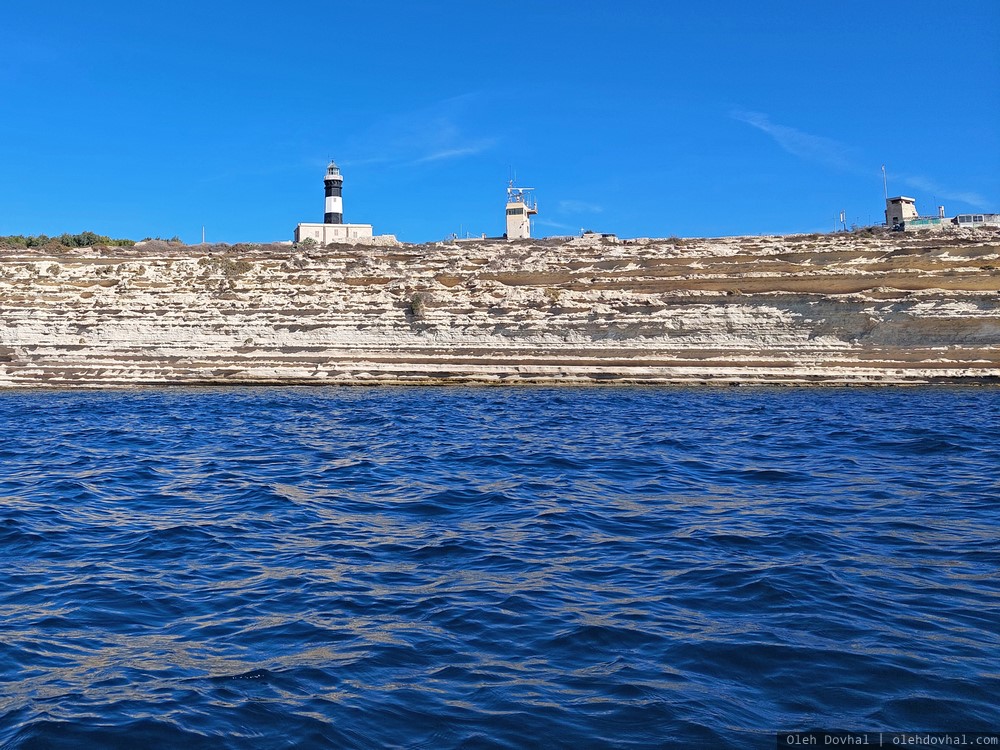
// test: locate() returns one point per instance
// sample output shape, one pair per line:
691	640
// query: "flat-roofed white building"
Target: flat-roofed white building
974	221
899	209
326	234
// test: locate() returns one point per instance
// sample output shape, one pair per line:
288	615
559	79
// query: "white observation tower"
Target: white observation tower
521	207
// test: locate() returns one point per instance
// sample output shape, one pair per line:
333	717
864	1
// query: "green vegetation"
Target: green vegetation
231	268
175	239
225	266
418	305
65	240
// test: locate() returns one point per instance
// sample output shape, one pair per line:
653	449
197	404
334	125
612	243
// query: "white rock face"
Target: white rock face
802	309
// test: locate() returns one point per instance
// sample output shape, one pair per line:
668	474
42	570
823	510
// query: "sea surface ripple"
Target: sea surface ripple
520	567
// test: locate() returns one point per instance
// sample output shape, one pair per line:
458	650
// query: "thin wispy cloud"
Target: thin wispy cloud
436	133
455	153
942	192
356	162
832	153
815	148
556	225
578	207
258	169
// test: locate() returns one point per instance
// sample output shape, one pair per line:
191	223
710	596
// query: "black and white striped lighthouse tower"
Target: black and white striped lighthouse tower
334	183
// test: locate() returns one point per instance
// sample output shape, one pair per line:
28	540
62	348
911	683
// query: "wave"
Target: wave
460	567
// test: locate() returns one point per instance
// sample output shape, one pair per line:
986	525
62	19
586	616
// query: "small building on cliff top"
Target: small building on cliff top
901	215
899	209
521	207
974	221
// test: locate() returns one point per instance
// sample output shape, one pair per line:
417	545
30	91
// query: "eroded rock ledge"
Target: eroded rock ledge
857	308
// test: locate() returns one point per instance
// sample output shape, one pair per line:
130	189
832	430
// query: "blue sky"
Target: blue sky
640	117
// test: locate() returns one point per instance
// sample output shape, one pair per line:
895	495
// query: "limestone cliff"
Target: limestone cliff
878	308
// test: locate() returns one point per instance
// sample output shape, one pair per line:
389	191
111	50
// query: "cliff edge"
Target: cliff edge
843	308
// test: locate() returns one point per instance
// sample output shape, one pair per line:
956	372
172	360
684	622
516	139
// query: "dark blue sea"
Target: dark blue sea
496	567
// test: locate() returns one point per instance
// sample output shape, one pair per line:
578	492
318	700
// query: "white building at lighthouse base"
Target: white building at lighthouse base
326	234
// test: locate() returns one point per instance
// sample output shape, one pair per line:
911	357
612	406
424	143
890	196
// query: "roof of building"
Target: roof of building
902	198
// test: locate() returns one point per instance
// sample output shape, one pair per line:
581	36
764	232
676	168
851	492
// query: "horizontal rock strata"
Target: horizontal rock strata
851	308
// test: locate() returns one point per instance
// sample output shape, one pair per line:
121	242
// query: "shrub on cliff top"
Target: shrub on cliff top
84	239
175	239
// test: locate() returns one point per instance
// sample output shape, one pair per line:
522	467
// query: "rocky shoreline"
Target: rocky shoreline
857	308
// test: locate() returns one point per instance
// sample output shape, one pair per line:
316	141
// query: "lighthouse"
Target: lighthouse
333	230
334	184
